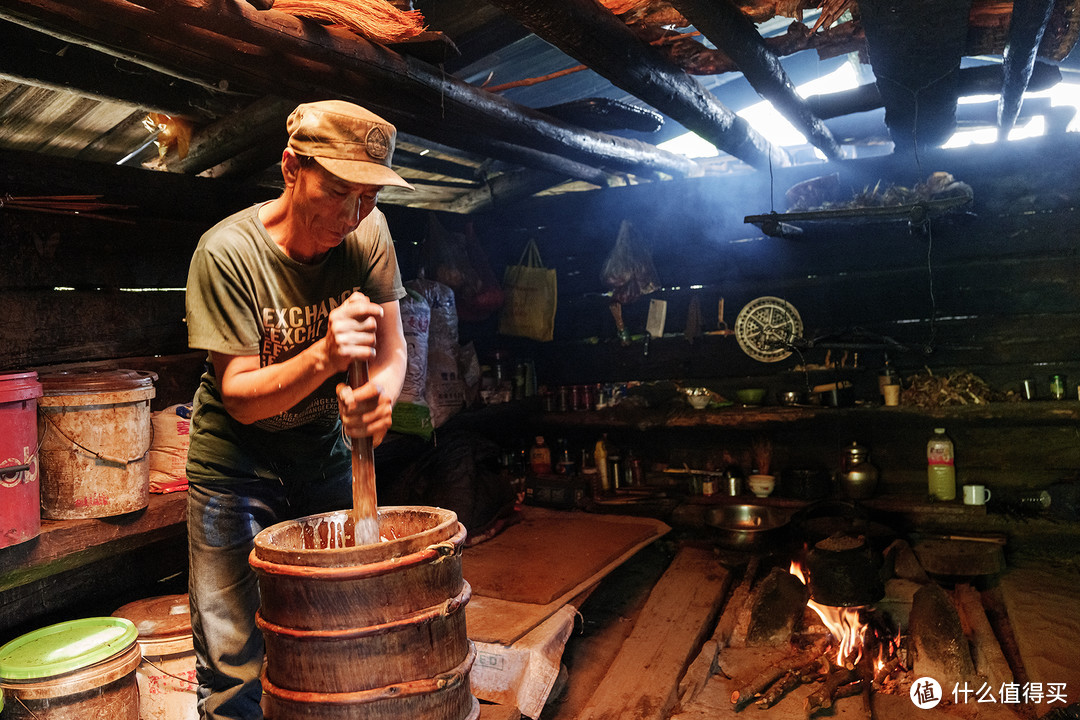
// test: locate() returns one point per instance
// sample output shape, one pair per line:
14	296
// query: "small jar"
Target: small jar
1057	387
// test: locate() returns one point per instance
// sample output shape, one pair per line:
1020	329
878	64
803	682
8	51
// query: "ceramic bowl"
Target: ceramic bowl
698	397
750	396
761	485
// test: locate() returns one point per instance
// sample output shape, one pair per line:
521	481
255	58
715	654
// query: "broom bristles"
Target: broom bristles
376	20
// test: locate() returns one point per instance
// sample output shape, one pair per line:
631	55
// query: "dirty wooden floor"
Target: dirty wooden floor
607	618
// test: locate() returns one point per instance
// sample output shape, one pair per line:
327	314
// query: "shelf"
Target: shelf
67	544
1026	413
789	224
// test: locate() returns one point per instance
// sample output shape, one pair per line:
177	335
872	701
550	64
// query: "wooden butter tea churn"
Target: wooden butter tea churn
365	632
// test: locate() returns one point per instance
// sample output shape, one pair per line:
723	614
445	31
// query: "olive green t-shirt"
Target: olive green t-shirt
245	296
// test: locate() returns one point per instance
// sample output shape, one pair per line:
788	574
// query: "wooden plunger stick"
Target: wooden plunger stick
365	506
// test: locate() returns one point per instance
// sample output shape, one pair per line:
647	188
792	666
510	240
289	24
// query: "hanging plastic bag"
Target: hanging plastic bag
531	297
486	295
628	270
457	261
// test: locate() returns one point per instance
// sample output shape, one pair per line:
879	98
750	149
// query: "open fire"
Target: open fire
852	633
882	634
858	655
864	656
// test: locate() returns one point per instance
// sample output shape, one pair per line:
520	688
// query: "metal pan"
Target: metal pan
748	527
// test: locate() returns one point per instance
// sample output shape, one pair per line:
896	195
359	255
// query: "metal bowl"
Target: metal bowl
790	397
748	527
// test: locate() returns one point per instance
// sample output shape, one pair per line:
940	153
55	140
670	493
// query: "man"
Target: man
284	296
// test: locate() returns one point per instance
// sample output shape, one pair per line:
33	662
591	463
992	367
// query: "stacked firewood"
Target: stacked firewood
835	678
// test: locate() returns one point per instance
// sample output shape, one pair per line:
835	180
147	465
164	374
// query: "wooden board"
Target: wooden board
67	544
1040	597
549	553
496	620
679	614
490	711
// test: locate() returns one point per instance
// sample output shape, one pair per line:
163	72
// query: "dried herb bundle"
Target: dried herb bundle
927	390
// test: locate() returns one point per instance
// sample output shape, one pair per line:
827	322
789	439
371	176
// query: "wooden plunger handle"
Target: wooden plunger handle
363	463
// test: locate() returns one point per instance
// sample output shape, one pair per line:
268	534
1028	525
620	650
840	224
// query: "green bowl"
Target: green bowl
750	396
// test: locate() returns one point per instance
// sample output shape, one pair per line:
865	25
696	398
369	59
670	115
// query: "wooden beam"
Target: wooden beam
727	28
33	58
668	634
978	80
915	48
1026	29
504	189
258	122
590	33
232	45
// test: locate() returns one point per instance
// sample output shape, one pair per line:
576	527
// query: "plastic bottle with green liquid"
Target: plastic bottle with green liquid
940	466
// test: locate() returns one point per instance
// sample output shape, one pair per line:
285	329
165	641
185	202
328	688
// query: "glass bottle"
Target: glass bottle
565	464
540	457
600	456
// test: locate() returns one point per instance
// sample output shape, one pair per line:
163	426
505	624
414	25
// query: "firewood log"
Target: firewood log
793	678
823	697
756	687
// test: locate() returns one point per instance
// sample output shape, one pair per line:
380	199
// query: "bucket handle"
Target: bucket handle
100	456
32	713
166	672
443	550
13	469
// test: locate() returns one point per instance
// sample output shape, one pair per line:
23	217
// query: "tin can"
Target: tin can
1057	387
580	397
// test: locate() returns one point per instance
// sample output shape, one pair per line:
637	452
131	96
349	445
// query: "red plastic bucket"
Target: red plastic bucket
20	493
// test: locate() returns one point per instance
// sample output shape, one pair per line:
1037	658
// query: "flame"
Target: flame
844	623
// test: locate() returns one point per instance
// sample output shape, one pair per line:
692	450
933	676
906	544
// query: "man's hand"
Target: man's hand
365	411
352	331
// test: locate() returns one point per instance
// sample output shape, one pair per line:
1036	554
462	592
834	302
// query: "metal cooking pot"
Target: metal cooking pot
819	520
842	571
748	527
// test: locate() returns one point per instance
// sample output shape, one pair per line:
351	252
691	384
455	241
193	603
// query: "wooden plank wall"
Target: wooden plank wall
109	289
1004	300
77	289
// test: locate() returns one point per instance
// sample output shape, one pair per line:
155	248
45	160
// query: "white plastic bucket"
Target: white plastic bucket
166	676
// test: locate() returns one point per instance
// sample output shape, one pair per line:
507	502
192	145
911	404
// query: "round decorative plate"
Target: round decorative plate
766	327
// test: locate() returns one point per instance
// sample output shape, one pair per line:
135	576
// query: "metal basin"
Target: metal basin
748	527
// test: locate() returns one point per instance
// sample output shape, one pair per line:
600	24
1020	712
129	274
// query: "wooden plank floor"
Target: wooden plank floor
642	627
680	613
607	618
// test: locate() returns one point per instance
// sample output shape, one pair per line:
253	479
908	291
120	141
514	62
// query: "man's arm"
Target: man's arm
387	368
251	393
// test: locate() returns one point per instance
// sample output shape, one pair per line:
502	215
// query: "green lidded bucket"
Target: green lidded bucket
72	670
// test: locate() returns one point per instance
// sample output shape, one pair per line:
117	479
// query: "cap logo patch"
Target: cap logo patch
378	143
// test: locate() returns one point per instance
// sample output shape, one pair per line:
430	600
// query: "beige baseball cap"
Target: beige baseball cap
353	143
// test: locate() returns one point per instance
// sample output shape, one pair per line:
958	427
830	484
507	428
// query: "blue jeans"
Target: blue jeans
223	520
